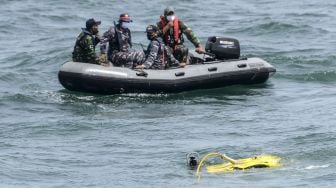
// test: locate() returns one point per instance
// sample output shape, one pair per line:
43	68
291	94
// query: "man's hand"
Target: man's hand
139	67
97	38
106	64
169	25
102	58
182	64
200	49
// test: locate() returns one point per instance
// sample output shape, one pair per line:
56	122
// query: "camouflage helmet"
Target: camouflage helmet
152	31
168	10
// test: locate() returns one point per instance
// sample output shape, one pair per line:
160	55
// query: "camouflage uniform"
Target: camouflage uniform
179	50
119	42
159	56
84	50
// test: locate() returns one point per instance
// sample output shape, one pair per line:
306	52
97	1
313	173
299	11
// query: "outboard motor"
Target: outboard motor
223	48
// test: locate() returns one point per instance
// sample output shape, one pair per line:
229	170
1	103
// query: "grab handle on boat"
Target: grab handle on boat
142	73
179	74
243	65
210	69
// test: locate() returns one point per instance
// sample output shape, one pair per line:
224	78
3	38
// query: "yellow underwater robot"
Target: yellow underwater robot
261	161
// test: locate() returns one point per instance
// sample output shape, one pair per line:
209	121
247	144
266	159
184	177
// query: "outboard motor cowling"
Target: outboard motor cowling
223	48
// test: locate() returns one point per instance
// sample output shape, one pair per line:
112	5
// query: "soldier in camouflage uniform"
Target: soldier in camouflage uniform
158	55
84	50
119	44
172	29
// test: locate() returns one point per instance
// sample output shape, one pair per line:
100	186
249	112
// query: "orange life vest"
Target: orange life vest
176	30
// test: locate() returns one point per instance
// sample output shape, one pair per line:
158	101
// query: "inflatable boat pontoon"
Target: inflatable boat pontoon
210	73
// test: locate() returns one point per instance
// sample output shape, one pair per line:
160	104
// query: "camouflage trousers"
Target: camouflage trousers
181	53
127	59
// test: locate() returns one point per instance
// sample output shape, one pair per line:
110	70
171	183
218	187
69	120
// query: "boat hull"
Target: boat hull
112	80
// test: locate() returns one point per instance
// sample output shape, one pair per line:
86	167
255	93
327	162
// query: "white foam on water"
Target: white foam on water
312	167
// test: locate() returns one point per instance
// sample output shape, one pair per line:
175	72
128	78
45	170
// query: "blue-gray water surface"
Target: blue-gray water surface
52	137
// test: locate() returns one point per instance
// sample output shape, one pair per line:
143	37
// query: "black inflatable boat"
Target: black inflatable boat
223	69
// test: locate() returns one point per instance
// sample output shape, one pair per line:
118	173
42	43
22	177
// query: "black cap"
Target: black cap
91	22
168	10
151	29
125	18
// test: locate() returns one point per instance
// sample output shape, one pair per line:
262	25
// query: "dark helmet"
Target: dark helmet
169	10
91	22
125	18
152	31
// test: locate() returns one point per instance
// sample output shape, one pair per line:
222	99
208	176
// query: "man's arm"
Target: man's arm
191	36
105	39
154	48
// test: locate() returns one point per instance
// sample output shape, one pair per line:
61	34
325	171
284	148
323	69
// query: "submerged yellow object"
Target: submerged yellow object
261	161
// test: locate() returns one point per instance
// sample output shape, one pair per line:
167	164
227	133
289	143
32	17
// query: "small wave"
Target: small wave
283	58
303	68
308	14
312	167
6	29
8	76
275	27
265	28
19	98
17	60
191	97
144	95
319	76
35	59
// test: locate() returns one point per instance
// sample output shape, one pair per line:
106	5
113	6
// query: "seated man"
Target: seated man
172	29
158	56
84	50
119	44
